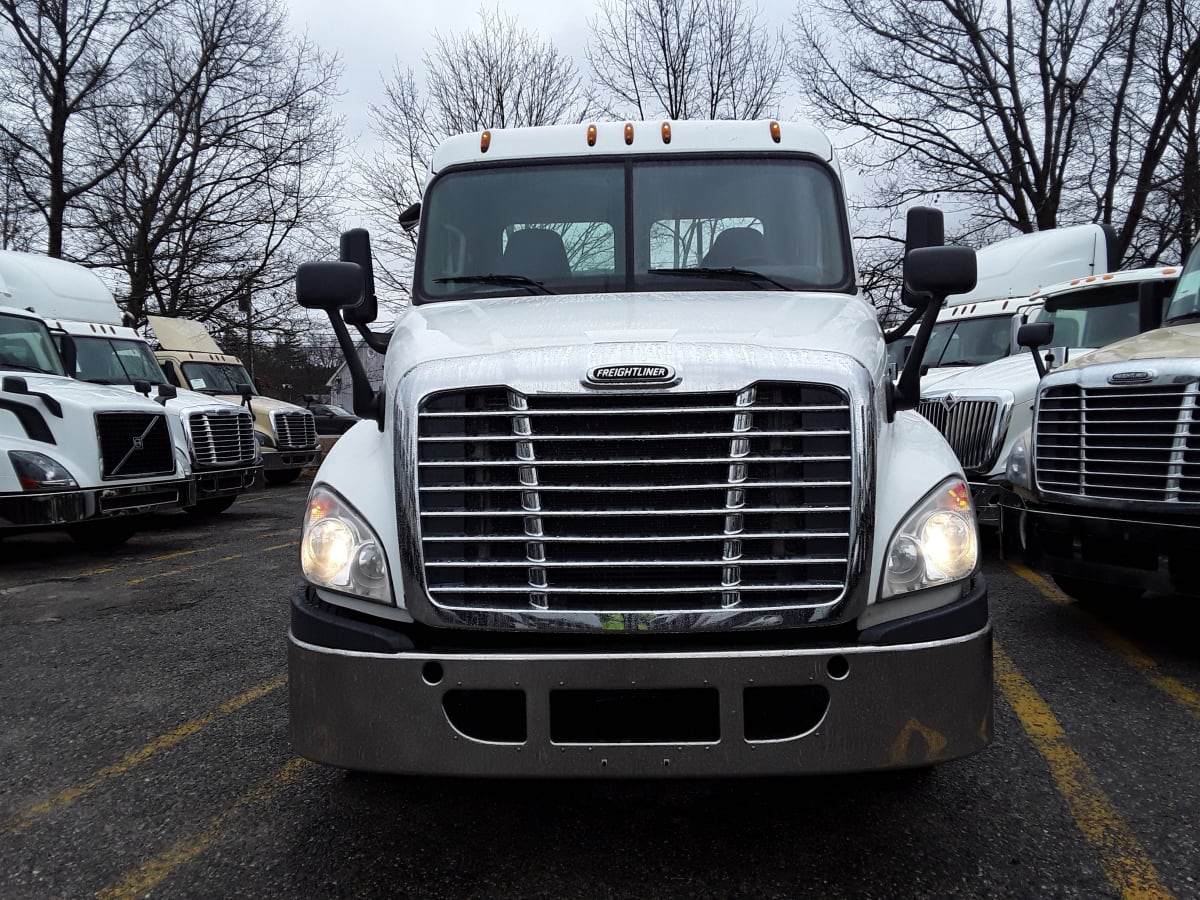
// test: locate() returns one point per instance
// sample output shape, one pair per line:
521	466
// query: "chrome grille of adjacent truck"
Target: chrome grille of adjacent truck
969	427
1120	443
134	444
624	502
222	438
295	430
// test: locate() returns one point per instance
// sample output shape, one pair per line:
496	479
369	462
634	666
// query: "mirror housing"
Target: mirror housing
355	247
940	271
411	217
925	226
329	285
1036	335
246	391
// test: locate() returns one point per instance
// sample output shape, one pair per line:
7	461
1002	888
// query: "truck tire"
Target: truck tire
103	535
211	507
281	476
1096	592
1012	545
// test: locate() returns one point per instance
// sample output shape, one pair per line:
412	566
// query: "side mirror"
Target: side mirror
411	217
168	391
66	349
940	271
329	285
14	384
142	387
924	227
1151	295
1036	335
355	247
245	391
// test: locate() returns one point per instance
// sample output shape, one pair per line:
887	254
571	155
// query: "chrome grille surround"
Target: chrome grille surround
1131	446
295	429
723	599
974	423
221	438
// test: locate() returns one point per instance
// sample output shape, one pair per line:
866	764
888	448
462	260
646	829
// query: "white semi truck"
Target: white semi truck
1106	482
216	438
638	496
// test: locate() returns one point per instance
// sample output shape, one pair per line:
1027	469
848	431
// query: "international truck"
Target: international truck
1105	484
216	438
286	433
638	496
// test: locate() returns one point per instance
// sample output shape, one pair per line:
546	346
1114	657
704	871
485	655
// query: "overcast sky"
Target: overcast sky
370	37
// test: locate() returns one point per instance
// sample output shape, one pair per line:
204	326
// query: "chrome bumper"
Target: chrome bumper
290	459
68	507
886	707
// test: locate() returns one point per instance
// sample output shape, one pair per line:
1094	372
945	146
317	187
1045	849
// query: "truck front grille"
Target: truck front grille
134	444
295	430
1120	443
222	439
969	427
636	503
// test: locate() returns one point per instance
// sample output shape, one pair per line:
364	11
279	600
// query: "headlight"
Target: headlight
938	543
1017	470
38	472
339	551
264	440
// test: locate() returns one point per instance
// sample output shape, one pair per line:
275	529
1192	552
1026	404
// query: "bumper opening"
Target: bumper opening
495	717
633	716
783	713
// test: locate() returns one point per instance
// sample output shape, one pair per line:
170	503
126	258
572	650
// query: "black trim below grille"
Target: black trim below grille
134	445
636	503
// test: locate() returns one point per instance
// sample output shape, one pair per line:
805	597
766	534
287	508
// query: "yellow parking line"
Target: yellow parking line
179	553
1124	861
253	499
90	572
147	876
137	757
281	546
211	562
1135	658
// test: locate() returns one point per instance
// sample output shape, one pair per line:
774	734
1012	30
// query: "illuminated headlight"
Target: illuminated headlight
938	543
1017	470
38	472
339	551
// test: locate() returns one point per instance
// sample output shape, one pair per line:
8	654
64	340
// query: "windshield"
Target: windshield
329	410
215	378
1185	304
25	346
115	361
1098	316
969	342
689	224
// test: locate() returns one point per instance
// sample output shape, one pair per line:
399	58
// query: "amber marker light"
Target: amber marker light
485	141
666	132
591	135
628	132
1106	278
776	135
1168	271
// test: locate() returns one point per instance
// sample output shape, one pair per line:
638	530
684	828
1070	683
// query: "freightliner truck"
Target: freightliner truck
1106	483
638	496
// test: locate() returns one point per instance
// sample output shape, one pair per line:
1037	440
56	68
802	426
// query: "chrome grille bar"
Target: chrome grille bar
971	426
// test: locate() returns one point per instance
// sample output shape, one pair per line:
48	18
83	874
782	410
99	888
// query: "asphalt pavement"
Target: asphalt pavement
144	751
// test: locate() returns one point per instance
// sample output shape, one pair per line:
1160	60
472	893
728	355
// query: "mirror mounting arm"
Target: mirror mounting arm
368	403
373	339
908	388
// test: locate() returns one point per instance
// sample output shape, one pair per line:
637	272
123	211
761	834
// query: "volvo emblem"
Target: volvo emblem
138	443
1132	377
621	376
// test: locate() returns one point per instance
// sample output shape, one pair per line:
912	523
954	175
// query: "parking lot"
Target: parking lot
143	737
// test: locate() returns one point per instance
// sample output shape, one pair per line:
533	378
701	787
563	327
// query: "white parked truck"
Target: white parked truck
217	438
983	410
1106	482
638	496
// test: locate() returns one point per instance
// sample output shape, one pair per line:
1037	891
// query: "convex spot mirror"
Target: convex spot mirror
355	247
940	271
924	227
329	285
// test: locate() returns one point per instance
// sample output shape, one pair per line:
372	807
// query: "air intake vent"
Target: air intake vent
134	444
295	430
222	439
618	503
970	427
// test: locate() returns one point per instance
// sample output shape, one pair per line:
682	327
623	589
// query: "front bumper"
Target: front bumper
838	707
1154	553
223	482
36	510
274	460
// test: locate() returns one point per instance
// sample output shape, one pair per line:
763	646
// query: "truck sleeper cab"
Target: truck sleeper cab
639	497
1106	481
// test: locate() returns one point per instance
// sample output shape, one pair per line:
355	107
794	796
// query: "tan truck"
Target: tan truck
286	433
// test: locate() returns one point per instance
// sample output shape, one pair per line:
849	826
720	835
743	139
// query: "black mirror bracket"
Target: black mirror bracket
907	393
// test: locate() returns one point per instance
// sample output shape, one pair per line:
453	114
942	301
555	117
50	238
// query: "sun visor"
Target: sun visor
184	335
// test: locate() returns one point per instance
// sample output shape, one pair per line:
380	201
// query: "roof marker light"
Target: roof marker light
485	141
1168	271
1107	277
666	132
628	132
1076	281
1090	279
591	135
775	133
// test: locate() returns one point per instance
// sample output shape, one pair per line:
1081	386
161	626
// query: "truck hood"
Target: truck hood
257	403
1164	343
85	395
185	400
1015	373
833	322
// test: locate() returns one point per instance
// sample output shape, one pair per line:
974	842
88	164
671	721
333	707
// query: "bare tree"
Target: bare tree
212	205
684	59
65	70
1032	113
17	225
497	75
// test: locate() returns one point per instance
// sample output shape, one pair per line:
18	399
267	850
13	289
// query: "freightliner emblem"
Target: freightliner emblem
1136	377
631	374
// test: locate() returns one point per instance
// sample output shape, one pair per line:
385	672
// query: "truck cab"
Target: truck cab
1105	483
286	433
638	496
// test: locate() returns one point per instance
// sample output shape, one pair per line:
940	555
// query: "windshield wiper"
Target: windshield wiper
535	287
728	272
955	362
23	368
1182	319
102	381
